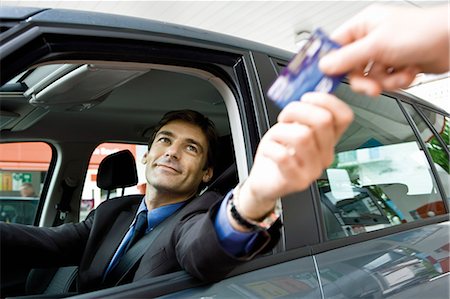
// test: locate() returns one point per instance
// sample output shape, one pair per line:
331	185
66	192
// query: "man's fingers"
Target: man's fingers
399	78
381	78
296	154
365	85
342	114
327	118
296	150
320	121
358	45
343	60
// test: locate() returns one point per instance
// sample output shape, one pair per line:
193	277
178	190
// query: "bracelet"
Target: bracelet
263	223
239	219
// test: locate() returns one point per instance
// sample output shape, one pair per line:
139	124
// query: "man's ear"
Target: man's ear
144	158
207	175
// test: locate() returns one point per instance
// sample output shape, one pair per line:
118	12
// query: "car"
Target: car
374	225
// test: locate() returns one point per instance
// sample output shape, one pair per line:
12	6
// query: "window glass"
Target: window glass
23	168
92	196
440	123
380	176
434	146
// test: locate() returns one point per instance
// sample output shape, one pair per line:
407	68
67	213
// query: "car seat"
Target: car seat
117	170
225	171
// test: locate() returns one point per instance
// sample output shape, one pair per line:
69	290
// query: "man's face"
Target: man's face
26	191
175	162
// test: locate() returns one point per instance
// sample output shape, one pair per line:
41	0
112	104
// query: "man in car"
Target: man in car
213	233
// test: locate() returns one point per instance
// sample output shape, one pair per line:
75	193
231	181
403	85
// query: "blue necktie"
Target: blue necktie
139	229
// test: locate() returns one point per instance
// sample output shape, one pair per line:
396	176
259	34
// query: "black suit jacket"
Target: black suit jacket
190	244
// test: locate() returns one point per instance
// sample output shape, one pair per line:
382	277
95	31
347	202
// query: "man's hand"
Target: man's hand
293	153
384	47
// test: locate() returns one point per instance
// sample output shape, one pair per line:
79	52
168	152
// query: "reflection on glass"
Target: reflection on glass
293	279
395	265
380	176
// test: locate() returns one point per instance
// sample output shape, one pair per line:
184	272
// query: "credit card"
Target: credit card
302	74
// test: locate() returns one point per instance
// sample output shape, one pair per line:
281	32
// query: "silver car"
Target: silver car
375	225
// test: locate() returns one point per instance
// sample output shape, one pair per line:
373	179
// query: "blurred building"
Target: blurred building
433	88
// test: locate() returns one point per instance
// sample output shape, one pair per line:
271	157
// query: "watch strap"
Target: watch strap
239	219
261	224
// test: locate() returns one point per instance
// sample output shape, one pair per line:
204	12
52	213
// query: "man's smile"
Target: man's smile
167	166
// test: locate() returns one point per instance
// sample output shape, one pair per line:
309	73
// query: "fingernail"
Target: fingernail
325	64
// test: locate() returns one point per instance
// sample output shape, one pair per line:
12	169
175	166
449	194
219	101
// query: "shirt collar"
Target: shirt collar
158	215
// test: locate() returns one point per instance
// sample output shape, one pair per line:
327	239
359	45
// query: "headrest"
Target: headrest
117	170
225	171
225	155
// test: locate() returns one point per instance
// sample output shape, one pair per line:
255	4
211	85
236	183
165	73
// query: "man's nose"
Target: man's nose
173	151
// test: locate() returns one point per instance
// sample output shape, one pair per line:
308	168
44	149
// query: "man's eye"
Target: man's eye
192	148
164	140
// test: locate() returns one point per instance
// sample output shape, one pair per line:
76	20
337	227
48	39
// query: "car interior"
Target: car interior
115	102
76	106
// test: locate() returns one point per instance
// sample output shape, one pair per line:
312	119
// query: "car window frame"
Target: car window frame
437	179
418	108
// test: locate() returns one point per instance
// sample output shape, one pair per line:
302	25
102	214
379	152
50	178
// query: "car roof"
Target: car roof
87	18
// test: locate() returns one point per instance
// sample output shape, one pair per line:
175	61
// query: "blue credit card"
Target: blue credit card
302	74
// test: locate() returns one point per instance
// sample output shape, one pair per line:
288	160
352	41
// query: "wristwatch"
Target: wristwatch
263	223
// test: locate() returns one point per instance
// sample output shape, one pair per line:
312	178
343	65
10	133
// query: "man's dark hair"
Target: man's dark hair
196	118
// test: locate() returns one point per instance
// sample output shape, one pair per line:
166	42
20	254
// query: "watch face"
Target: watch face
272	217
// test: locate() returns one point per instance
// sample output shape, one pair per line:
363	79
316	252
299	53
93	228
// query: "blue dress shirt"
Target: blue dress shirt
234	242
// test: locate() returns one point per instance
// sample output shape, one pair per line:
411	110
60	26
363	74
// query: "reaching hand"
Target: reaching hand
294	152
385	47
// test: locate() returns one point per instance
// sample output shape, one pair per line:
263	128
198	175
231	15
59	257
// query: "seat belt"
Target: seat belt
135	253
